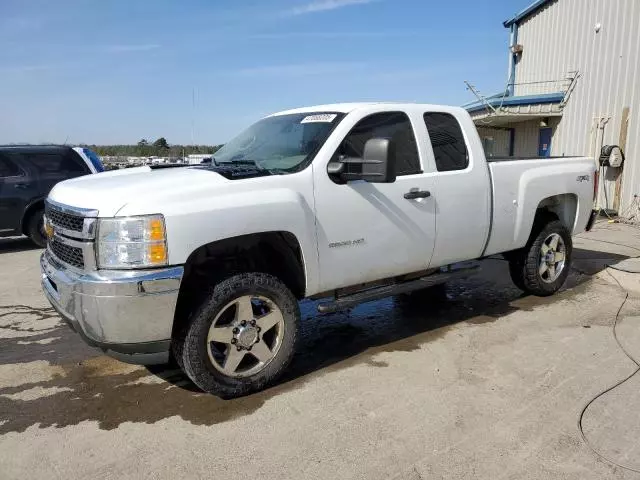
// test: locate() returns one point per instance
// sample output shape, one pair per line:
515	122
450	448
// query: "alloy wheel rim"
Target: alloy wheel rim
553	257
245	336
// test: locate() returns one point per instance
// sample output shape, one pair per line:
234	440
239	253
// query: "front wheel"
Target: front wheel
243	336
543	265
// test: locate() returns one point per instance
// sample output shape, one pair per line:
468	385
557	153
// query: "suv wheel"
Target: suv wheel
543	265
242	337
35	228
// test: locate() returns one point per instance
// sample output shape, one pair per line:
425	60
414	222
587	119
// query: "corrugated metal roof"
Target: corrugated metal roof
530	10
507	101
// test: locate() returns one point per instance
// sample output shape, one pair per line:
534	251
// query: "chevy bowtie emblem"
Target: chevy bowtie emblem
48	228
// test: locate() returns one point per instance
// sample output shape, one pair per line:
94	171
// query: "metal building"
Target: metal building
573	86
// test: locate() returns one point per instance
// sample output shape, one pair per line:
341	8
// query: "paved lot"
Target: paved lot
484	384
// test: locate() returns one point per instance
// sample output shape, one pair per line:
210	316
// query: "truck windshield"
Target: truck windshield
280	144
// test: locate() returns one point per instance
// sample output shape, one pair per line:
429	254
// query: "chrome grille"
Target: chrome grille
68	254
65	220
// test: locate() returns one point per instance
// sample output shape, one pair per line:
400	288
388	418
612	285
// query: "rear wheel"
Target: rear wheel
543	265
515	270
35	228
242	337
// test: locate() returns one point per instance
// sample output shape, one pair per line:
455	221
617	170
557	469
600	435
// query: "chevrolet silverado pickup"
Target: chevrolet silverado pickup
345	203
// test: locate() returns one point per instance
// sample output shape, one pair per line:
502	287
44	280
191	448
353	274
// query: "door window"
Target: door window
395	126
447	141
55	163
8	168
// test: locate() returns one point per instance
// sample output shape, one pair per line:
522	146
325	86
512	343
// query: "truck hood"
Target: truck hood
109	192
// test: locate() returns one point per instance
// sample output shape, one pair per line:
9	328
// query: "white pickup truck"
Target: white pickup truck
346	203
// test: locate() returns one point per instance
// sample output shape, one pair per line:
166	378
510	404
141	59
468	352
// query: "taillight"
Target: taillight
596	181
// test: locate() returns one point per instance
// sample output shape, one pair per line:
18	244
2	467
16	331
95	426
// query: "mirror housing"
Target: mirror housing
378	164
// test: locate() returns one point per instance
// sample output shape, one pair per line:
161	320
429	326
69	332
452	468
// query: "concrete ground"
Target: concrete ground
486	383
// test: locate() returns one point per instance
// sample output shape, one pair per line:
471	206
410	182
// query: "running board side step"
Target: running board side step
377	293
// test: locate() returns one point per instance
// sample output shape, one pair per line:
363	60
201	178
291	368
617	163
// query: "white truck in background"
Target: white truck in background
345	202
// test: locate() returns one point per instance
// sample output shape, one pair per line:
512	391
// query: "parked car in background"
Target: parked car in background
27	174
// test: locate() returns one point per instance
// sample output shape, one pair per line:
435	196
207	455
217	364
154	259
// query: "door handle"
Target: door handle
417	194
21	185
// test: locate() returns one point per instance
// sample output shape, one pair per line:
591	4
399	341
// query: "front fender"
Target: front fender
193	223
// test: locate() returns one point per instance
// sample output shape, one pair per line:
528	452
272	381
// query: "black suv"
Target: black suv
27	174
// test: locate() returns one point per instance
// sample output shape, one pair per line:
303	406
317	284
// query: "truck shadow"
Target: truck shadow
406	322
79	387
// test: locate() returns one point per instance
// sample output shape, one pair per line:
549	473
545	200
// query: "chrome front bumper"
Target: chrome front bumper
128	314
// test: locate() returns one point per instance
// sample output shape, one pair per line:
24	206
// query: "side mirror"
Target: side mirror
378	164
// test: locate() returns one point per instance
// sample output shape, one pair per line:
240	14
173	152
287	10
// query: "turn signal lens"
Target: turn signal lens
157	253
156	229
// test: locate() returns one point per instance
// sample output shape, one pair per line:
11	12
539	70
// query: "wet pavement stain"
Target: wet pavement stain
97	388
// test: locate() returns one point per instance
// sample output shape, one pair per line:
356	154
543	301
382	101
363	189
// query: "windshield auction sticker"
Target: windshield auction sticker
322	117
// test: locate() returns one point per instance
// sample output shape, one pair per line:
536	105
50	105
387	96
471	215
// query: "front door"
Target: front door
544	143
370	231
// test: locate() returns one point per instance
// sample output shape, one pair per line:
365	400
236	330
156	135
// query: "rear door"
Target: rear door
370	231
15	193
54	166
462	190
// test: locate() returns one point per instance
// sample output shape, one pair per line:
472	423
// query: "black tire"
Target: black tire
516	272
524	269
191	342
35	228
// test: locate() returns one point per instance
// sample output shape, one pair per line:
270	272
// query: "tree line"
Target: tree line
159	148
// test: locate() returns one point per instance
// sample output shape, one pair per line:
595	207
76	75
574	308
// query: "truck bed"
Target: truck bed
520	186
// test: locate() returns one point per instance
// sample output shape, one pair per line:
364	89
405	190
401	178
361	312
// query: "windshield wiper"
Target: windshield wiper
253	163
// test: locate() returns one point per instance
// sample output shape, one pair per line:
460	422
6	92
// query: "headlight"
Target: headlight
132	242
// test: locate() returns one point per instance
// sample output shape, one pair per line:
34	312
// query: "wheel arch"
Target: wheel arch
563	207
31	208
277	253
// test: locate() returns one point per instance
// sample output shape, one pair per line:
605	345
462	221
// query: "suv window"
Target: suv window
56	162
395	126
449	149
8	168
94	159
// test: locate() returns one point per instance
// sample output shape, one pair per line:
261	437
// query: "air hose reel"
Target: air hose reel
611	156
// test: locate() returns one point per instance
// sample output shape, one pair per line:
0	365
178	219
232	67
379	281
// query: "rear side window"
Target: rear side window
56	163
95	160
8	168
447	141
395	126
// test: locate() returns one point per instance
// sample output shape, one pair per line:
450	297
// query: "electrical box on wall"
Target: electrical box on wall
611	156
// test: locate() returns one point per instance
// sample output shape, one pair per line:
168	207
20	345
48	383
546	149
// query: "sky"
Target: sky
107	72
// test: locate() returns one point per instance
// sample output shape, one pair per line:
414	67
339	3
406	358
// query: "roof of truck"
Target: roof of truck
349	107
